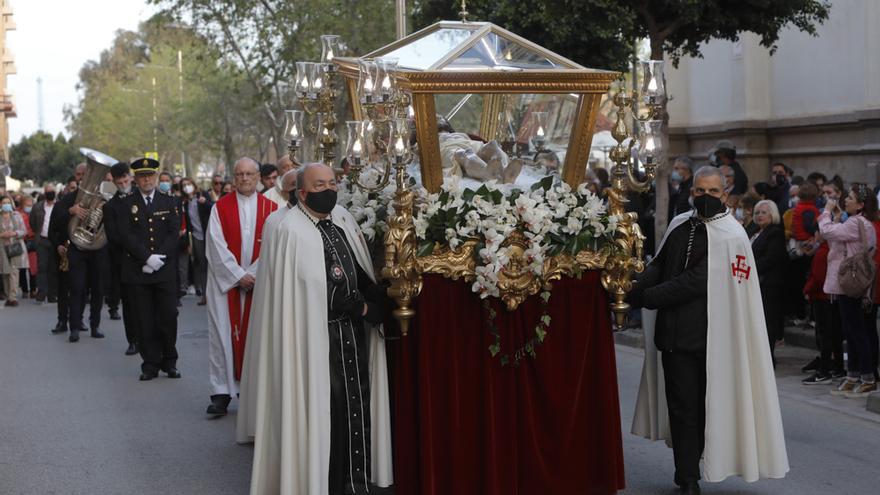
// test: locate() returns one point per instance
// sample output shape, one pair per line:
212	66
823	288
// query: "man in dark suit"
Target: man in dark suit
150	238
47	258
114	212
58	223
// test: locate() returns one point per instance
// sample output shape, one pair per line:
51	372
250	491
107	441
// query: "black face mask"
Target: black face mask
780	179
321	202
708	206
50	196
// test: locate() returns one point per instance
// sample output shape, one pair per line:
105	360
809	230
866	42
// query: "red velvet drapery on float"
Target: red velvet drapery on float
466	425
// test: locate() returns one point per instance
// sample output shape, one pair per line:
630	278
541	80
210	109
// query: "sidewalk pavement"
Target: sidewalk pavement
798	350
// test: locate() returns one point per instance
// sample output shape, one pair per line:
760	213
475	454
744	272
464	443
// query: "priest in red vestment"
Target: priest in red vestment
232	249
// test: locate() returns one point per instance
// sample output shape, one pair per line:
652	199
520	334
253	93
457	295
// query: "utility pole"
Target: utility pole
41	121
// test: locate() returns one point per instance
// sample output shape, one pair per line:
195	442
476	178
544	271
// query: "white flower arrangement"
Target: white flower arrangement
554	218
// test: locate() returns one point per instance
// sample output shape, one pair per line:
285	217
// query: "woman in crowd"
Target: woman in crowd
848	238
771	259
28	276
197	207
12	233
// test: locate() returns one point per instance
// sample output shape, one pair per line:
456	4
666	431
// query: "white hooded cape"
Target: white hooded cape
744	434
285	386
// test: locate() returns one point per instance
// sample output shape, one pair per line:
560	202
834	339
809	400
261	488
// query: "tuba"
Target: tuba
88	234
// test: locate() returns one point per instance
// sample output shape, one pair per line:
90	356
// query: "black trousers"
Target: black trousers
829	336
155	309
129	314
685	374
871	325
63	288
114	279
86	280
47	268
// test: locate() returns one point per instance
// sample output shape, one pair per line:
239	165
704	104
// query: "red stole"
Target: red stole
227	210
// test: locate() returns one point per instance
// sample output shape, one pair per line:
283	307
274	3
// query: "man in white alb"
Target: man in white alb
232	249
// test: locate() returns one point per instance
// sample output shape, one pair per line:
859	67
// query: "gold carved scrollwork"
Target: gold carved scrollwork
401	267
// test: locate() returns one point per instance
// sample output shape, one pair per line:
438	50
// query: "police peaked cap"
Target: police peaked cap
145	166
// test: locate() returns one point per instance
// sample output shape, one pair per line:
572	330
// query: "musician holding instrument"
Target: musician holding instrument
58	222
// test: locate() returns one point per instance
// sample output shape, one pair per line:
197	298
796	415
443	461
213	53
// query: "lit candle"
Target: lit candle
399	147
652	85
294	131
540	132
329	55
318	83
356	148
386	84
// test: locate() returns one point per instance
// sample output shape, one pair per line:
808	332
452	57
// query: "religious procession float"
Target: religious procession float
464	149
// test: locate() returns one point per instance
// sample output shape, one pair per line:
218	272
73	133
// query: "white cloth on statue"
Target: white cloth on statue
274	194
246	418
744	433
224	272
287	368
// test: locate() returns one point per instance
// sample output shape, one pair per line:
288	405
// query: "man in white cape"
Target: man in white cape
294	361
232	250
720	401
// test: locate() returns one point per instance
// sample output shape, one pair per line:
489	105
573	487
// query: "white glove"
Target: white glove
146	269
155	261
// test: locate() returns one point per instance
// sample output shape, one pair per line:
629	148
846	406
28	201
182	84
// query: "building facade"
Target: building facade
813	105
7	67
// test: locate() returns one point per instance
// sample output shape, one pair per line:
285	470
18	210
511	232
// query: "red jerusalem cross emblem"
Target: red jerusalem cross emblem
741	270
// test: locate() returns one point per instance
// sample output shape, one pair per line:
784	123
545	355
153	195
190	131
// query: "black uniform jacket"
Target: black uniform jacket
144	232
114	211
60	219
678	293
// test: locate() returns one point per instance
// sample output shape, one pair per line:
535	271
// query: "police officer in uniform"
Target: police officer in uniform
114	212
149	236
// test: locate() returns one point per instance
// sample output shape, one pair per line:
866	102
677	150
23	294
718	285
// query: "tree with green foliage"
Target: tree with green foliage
43	158
136	98
582	29
264	38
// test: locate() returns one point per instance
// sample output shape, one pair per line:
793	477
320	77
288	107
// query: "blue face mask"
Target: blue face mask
27	209
675	177
164	187
7	208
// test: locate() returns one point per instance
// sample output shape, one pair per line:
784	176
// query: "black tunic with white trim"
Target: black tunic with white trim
348	290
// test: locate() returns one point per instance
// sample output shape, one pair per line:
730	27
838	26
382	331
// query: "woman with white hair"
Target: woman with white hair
771	258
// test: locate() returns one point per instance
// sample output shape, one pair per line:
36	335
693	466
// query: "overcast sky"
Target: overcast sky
52	40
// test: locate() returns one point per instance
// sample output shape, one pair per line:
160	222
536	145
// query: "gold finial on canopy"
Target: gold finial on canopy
464	13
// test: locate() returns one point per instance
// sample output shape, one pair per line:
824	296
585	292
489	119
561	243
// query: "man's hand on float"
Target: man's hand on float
246	282
156	261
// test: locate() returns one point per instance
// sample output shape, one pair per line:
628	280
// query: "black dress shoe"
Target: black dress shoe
219	404
52	299
145	377
172	373
60	328
691	488
96	334
114	315
132	350
74	336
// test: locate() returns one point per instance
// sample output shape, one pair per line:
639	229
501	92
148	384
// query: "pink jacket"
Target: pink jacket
844	240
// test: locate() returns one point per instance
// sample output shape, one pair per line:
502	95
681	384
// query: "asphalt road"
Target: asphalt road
74	419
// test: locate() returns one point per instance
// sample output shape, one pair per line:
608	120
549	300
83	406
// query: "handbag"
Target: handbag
856	273
13	250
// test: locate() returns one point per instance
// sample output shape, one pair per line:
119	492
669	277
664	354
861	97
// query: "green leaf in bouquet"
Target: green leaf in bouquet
540	333
545	320
494	349
497	197
426	248
546	183
468	195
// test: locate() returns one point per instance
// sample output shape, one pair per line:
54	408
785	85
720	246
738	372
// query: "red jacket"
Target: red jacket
818	268
804	220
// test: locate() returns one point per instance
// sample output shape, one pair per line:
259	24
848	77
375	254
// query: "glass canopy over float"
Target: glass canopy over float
487	104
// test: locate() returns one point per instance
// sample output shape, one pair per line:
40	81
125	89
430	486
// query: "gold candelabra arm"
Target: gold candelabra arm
401	267
355	178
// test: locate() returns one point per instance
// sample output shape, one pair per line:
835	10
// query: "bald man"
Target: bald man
233	249
280	193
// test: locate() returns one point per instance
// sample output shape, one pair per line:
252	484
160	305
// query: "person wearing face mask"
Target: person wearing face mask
772	263
13	254
47	262
28	276
718	373
119	290
233	249
780	179
315	288
166	186
197	208
149	233
682	173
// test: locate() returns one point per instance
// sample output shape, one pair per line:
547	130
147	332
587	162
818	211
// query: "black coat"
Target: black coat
771	257
204	212
60	219
678	293
144	232
114	210
678	200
